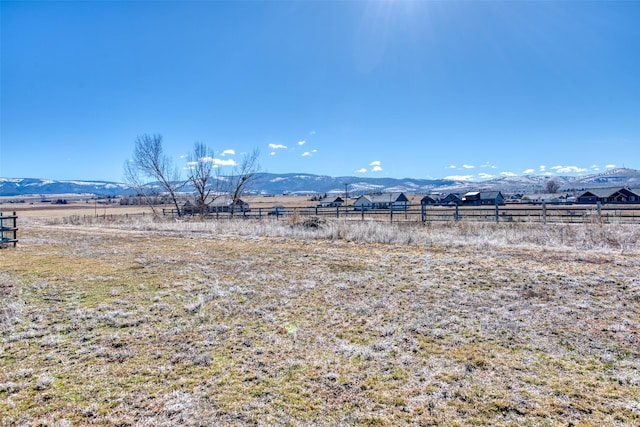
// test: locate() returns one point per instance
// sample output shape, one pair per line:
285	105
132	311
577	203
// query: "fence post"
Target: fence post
544	212
496	211
15	229
362	213
455	214
422	212
390	213
337	211
599	207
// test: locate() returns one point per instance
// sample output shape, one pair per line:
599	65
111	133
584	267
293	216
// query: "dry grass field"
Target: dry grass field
143	322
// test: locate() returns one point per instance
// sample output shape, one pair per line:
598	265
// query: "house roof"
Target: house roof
226	201
490	195
451	196
382	198
605	192
388	198
364	197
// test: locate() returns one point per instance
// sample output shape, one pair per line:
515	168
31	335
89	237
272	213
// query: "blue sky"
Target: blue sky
377	89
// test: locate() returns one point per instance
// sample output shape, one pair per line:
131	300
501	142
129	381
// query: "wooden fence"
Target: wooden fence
425	213
8	230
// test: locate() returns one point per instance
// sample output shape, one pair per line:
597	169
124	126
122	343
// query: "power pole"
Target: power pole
346	193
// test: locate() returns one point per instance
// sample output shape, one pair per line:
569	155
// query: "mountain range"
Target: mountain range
304	184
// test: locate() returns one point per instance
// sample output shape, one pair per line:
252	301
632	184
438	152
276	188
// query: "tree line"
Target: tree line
153	174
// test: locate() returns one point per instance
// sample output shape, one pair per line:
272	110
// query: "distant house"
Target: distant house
609	195
393	201
552	198
477	198
471	198
431	199
492	198
226	204
363	203
330	202
451	199
540	198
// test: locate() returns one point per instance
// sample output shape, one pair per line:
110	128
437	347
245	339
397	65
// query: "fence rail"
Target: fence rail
8	230
426	213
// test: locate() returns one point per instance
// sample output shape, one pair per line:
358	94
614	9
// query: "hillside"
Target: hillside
32	186
303	184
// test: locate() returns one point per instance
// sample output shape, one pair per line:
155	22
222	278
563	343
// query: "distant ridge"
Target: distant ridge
304	184
34	186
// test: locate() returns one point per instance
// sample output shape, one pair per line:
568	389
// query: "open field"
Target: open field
133	321
33	208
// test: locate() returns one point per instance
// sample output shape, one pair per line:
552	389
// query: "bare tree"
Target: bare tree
244	176
201	174
150	164
552	186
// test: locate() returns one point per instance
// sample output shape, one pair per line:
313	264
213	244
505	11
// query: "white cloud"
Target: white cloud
313	132
273	153
485	175
528	171
468	166
568	169
229	152
219	162
314	151
376	168
543	168
375	163
459	177
361	170
302	142
228	162
306	153
452	167
277	146
610	166
508	174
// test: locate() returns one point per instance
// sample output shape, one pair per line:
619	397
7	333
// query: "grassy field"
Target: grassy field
143	322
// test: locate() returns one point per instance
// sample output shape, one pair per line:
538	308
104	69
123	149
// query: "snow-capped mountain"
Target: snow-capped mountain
26	186
303	184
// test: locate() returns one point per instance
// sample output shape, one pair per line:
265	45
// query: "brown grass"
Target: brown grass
143	323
